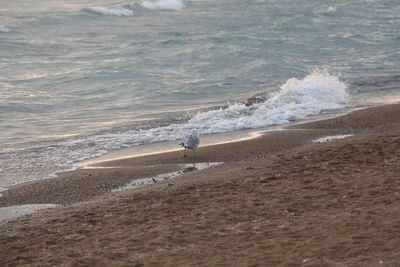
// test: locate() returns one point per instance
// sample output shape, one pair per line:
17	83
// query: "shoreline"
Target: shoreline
100	178
209	140
277	199
159	162
171	146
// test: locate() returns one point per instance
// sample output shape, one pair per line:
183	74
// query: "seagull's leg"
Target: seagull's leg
184	153
194	150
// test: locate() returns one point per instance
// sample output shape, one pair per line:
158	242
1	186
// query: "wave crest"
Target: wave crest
164	4
119	12
296	100
4	29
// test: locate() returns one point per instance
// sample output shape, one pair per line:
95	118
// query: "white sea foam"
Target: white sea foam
329	138
2	190
119	12
297	99
4	29
331	9
198	166
163	4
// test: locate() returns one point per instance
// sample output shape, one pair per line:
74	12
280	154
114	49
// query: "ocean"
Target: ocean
82	78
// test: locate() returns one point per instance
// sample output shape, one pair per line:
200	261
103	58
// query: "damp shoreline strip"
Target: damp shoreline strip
13	212
185	168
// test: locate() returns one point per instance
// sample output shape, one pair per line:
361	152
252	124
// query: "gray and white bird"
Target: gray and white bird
191	141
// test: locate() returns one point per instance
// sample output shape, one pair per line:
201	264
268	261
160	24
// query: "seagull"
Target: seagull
191	141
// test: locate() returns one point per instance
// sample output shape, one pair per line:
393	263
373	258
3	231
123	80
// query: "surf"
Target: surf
119	12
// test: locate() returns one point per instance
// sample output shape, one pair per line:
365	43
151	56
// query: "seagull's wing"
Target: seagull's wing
193	141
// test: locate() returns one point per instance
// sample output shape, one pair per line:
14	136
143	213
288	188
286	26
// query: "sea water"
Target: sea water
82	78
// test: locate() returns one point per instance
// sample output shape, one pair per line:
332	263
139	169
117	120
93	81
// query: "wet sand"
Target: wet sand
277	200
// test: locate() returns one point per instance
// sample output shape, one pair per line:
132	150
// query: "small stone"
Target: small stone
190	169
248	180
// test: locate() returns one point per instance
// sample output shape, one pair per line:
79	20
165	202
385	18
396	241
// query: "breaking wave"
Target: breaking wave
4	29
296	100
119	12
163	4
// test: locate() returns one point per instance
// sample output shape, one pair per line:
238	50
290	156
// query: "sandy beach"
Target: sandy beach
277	200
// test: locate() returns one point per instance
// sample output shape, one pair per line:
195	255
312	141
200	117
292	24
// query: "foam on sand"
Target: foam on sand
2	190
329	138
198	166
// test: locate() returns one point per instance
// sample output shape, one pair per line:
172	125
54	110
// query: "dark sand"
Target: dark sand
279	200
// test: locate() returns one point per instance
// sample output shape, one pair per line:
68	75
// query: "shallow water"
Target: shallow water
79	79
12	212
